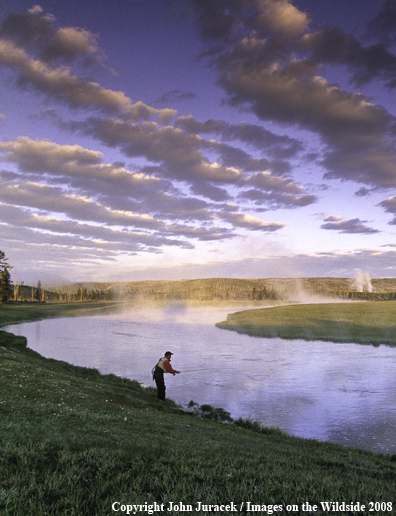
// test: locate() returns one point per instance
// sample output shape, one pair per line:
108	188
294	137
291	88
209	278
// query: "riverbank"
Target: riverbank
16	313
74	441
359	322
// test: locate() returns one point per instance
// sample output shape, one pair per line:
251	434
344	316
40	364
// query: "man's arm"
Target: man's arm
169	368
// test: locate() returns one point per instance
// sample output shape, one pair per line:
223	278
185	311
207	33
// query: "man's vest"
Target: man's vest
160	363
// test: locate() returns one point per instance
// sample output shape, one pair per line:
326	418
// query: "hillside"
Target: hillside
213	289
238	289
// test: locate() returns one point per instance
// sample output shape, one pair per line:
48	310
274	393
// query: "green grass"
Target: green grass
11	313
363	322
73	441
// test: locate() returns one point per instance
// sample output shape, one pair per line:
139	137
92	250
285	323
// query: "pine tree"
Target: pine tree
5	279
38	292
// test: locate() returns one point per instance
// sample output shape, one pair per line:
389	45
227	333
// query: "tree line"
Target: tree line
42	295
21	292
5	278
202	289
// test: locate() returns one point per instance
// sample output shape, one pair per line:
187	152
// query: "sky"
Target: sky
181	139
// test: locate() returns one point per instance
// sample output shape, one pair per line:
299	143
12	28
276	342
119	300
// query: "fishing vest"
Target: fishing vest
160	364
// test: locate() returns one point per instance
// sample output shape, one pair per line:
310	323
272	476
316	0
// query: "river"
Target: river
342	393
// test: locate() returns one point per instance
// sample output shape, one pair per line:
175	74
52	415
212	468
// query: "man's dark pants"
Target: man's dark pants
160	383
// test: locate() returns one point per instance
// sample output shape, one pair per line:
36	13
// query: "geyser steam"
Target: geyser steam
362	282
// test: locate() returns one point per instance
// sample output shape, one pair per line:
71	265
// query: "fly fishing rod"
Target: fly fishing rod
195	370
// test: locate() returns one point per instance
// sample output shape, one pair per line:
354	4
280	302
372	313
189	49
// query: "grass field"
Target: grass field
360	322
75	442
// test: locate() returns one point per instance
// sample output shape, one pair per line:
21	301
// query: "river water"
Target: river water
344	393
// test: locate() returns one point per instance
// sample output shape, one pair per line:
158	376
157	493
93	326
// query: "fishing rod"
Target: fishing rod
195	370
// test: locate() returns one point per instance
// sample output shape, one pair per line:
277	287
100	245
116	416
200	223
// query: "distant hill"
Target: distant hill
238	289
214	289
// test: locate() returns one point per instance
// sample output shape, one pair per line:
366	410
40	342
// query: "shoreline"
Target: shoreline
368	323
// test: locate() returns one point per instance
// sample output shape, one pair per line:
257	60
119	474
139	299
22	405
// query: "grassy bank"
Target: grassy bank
15	313
364	322
74	442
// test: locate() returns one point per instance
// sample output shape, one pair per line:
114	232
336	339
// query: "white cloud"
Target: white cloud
252	223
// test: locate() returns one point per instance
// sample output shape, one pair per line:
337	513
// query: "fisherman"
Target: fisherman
163	366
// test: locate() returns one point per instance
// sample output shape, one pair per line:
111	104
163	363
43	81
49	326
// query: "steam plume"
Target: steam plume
361	282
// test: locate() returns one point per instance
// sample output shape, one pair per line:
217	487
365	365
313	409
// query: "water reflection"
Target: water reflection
338	392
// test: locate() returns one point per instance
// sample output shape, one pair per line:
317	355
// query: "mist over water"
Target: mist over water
338	392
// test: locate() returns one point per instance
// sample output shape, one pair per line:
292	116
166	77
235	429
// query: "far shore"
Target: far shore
362	323
16	313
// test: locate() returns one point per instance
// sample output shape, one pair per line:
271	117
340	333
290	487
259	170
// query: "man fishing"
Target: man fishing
163	366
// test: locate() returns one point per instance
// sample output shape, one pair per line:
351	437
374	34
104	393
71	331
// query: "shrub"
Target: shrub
208	412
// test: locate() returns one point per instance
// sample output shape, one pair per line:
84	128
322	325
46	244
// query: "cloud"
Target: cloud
362	192
215	22
35	51
128	239
334	46
35	30
183	156
52	199
389	206
182	162
343	225
219	21
268	62
382	26
67	190
276	200
272	191
254	135
280	16
45	156
175	96
179	154
77	168
252	223
70	43
191	181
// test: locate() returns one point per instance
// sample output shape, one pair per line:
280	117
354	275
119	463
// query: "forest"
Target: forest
212	289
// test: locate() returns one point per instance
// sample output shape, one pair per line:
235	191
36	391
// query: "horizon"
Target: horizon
266	149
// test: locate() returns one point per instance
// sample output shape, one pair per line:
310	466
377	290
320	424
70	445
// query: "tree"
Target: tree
38	291
5	279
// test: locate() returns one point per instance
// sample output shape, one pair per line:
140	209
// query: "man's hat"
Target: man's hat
168	353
